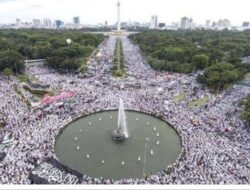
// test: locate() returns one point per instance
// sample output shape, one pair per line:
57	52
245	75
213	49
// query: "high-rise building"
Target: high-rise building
135	24
246	24
223	24
214	24
18	22
36	23
162	25
185	22
58	23
208	23
76	20
154	22
47	23
124	24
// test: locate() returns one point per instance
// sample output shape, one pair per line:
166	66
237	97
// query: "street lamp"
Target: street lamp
68	41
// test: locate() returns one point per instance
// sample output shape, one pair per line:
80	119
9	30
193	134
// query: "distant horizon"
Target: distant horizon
93	12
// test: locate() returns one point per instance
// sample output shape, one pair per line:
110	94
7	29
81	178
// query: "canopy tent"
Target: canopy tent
50	99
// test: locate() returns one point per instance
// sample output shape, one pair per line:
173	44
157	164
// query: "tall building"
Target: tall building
154	22
214	24
76	20
36	23
135	24
223	24
124	24
18	22
47	23
208	23
58	23
118	16
246	24
185	23
162	25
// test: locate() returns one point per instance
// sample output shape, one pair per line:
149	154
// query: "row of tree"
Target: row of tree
17	45
118	60
185	51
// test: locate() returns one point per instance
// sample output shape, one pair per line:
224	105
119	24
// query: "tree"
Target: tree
218	76
200	61
7	72
41	51
181	51
13	60
46	44
25	50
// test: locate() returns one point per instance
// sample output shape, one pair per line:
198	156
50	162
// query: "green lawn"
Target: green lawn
25	78
179	97
22	96
198	103
248	75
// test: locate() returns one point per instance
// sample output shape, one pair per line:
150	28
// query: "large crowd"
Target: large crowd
216	143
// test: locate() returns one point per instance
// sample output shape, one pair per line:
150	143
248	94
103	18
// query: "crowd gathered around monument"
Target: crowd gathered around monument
215	141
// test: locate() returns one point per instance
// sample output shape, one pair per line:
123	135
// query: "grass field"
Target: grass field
179	97
198	103
25	78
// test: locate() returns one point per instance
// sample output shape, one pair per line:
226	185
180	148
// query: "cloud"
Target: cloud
7	1
36	7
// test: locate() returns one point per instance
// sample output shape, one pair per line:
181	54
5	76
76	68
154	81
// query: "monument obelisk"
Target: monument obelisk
118	17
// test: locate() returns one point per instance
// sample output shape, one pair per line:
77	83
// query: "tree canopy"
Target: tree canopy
7	72
200	61
218	76
47	44
182	45
184	51
12	60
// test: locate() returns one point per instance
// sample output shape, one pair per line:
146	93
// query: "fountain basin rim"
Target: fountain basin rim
182	153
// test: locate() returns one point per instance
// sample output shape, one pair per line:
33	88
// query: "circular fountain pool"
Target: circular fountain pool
86	145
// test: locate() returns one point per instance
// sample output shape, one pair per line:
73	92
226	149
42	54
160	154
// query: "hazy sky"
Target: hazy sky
97	11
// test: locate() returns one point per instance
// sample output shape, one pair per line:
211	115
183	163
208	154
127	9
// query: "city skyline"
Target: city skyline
27	10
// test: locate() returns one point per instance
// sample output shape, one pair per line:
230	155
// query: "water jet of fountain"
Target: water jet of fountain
139	158
152	152
122	119
121	132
